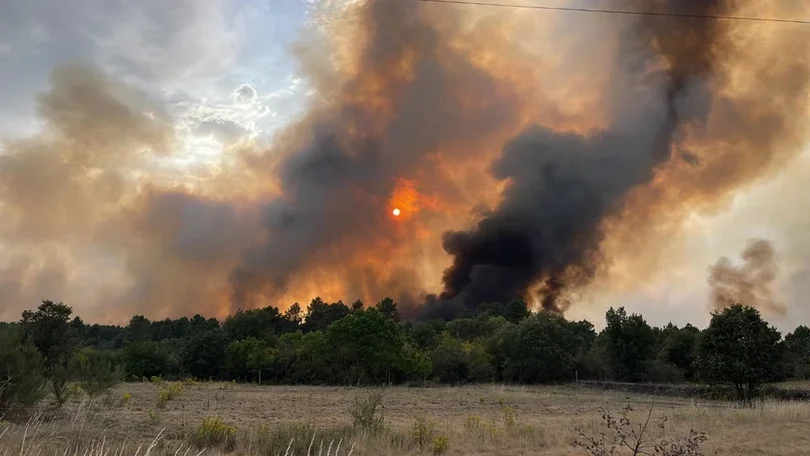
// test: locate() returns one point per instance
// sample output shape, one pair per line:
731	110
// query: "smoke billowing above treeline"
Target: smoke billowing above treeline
750	282
530	155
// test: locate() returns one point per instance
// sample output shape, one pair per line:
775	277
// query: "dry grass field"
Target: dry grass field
479	420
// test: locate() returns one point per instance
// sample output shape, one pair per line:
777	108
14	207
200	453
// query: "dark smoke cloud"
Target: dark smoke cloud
749	283
545	236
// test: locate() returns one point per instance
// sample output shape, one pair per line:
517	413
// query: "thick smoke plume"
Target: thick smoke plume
527	160
546	235
749	283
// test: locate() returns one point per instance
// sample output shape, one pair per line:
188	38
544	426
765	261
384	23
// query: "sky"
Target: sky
193	55
224	72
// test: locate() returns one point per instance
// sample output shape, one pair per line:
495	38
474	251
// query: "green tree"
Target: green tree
247	357
320	315
542	348
388	308
313	360
424	334
480	327
21	379
630	344
680	350
450	361
145	359
366	346
97	370
256	323
513	311
797	351
295	316
740	349
204	354
48	330
138	329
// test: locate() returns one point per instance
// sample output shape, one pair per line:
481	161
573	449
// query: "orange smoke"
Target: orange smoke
408	202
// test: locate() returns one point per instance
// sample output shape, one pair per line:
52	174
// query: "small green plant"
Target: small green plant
189	381
473	423
509	417
153	416
156	380
175	390
125	398
367	412
214	432
422	432
440	444
162	399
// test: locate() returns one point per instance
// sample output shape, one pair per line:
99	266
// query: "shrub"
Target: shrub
21	380
440	444
621	433
366	412
59	384
173	391
423	431
214	432
97	371
162	399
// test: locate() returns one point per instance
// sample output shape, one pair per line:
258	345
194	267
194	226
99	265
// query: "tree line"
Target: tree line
332	343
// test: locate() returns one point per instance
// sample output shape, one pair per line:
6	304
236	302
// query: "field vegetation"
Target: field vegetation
343	380
227	418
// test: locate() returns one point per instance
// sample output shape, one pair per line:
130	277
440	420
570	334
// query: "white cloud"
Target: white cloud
245	95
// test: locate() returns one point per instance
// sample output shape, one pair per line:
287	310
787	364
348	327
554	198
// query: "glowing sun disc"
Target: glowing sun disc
396	212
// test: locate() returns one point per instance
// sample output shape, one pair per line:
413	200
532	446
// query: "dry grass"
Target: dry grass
481	420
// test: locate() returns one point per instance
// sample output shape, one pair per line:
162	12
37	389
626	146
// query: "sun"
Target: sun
396	212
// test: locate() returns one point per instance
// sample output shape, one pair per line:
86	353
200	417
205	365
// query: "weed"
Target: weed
622	434
173	391
422	432
214	432
162	399
366	412
125	398
440	444
509	417
156	380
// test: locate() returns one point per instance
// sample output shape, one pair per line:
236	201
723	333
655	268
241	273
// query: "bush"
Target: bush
440	444
59	383
97	371
215	433
422	432
618	434
173	391
21	380
366	412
